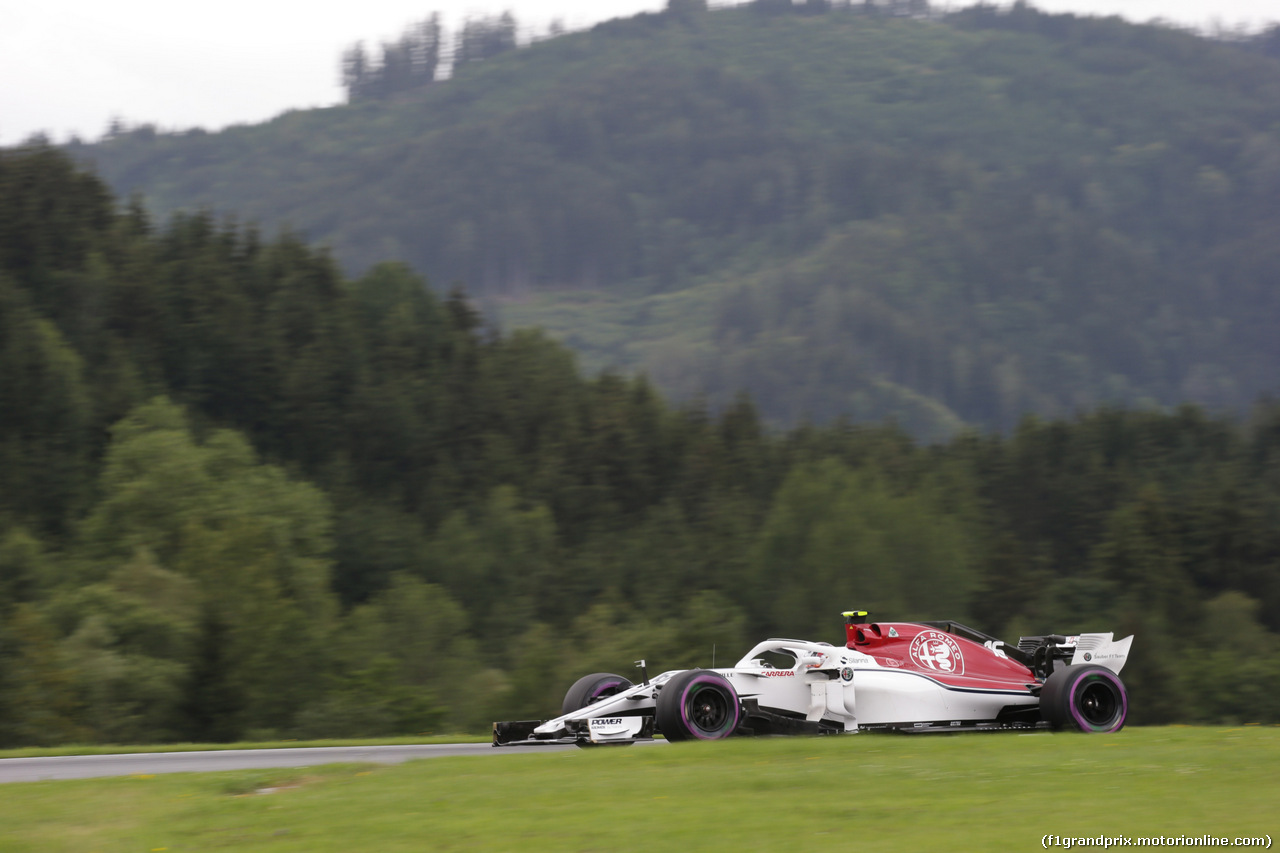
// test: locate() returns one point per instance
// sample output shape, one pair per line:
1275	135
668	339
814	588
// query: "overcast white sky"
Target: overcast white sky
70	66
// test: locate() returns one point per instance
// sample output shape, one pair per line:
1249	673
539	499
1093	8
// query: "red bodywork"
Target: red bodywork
952	660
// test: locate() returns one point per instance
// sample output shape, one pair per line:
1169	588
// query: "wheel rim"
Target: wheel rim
1098	703
707	709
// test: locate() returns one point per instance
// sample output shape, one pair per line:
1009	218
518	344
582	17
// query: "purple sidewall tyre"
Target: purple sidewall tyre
698	705
1085	698
591	689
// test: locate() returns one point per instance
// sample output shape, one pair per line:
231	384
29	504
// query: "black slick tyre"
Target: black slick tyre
590	689
698	705
1084	698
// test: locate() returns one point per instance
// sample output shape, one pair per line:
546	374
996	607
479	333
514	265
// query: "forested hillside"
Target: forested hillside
244	495
944	220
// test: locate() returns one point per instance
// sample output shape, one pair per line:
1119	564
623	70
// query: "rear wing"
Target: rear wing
1045	653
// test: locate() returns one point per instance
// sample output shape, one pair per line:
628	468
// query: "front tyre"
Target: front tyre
1086	698
590	689
698	705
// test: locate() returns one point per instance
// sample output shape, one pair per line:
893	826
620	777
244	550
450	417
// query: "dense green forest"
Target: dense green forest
244	495
844	209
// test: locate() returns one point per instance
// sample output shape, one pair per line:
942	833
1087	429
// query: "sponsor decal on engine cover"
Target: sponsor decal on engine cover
937	651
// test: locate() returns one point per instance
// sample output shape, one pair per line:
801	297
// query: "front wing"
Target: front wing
593	730
625	717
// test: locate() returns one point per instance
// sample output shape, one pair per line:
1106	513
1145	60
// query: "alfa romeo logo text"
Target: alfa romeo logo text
938	651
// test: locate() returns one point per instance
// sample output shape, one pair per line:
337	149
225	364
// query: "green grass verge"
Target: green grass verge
125	749
970	792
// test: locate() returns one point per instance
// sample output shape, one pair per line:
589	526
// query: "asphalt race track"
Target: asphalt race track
90	766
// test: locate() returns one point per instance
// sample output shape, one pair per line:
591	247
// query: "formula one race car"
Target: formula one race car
896	676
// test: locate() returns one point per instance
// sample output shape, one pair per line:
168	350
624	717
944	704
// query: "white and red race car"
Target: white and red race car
900	676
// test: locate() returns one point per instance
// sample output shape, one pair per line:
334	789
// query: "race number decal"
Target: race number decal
937	651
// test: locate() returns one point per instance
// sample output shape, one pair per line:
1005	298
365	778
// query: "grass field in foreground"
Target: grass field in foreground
866	792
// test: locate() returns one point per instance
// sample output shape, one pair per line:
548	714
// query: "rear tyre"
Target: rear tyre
590	689
698	705
1084	698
